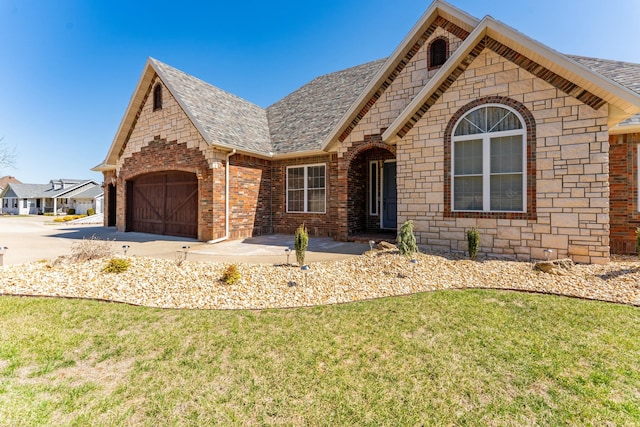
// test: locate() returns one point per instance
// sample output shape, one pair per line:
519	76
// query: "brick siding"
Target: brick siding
623	178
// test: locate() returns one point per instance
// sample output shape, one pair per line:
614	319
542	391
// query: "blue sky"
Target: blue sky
69	67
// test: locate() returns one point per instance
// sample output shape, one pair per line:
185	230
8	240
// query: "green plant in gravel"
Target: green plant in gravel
231	274
117	265
473	242
301	243
407	240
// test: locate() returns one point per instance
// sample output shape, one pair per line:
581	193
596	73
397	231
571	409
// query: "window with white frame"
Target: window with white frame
489	161
306	188
374	186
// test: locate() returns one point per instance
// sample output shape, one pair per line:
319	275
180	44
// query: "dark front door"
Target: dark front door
163	203
389	196
111	212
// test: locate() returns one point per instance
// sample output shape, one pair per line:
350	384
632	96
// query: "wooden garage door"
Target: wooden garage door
163	203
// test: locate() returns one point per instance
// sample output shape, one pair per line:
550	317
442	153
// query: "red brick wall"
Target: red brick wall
623	182
160	155
249	196
317	224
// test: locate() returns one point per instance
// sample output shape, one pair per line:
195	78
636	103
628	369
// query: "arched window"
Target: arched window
437	52
157	97
488	161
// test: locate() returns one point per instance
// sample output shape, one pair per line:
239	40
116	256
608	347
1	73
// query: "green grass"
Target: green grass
442	358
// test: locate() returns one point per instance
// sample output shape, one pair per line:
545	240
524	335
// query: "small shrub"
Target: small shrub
473	241
91	211
231	274
67	218
92	248
58	219
301	243
71	211
407	244
117	265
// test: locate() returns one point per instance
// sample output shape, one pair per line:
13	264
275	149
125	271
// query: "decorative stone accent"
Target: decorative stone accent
558	267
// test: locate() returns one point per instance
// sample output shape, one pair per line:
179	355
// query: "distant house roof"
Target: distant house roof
90	193
55	188
25	191
6	180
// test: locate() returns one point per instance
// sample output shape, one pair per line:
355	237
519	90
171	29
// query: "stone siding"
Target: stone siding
571	173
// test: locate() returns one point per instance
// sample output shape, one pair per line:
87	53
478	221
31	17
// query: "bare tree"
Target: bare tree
7	155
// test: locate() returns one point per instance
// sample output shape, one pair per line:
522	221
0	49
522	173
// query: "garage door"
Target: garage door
163	203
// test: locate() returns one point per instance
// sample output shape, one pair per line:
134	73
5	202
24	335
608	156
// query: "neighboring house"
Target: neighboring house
469	123
59	196
6	180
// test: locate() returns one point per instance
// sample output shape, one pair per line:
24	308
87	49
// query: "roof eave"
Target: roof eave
620	130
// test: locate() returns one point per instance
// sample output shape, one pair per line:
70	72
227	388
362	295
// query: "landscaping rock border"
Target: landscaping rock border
375	274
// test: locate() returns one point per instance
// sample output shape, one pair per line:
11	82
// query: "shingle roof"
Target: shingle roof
36	191
28	191
90	193
224	119
626	74
301	121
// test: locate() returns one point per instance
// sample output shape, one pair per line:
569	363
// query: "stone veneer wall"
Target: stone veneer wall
401	91
572	172
625	212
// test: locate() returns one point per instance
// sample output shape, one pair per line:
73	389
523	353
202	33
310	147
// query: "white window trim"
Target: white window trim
486	160
374	207
306	189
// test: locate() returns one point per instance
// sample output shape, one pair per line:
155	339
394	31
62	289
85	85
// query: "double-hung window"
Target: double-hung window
489	161
306	188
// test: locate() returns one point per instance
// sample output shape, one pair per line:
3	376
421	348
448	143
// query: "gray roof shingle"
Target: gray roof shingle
626	74
225	119
28	191
301	121
37	191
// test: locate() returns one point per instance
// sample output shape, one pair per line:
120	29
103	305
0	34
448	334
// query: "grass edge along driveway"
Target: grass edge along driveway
473	357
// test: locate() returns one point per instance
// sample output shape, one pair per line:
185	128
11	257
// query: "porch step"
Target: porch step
376	237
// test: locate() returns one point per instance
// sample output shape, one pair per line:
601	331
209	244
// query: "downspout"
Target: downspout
226	200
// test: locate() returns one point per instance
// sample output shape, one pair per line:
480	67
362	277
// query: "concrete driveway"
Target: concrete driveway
34	238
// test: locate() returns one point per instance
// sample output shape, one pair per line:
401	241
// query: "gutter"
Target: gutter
226	201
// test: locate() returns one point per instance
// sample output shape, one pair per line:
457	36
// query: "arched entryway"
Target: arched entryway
372	204
163	203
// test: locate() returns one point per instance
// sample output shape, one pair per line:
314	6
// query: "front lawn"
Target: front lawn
473	357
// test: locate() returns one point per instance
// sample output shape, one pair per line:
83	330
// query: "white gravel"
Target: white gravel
376	274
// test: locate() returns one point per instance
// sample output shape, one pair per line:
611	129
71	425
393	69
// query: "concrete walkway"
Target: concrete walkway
34	238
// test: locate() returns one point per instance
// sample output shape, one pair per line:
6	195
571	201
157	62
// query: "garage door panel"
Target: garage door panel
165	203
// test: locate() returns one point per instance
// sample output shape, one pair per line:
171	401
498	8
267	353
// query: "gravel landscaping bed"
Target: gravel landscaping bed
375	274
